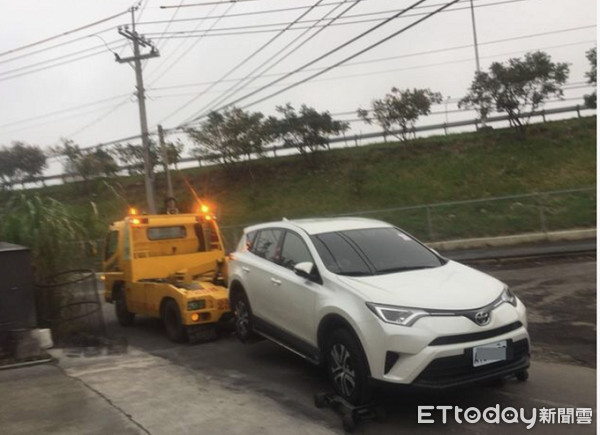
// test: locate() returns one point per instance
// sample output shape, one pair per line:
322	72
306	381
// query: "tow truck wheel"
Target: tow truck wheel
124	316
172	319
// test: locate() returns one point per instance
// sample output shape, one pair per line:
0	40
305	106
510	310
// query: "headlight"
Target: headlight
508	296
397	315
196	305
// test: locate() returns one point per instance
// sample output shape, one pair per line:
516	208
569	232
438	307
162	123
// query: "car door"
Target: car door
257	267
292	298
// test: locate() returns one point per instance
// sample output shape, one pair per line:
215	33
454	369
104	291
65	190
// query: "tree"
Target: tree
306	130
398	111
518	88
86	164
228	136
590	99
29	161
7	167
173	151
132	156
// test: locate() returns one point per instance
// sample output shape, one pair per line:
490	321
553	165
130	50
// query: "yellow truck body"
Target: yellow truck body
168	267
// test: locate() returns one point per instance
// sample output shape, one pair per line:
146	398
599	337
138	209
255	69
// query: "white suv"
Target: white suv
372	303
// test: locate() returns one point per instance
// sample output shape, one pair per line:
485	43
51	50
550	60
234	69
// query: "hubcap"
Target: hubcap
241	316
342	370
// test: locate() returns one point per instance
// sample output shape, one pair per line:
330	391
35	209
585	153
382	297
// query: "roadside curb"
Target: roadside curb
518	239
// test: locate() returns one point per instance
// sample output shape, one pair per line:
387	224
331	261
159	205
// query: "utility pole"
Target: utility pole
137	58
477	65
165	159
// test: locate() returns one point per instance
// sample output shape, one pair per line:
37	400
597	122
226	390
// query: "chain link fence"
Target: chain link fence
487	217
69	304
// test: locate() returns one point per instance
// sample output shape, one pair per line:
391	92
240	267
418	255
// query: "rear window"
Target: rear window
163	233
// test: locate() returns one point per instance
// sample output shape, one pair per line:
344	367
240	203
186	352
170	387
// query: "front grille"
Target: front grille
464	338
456	370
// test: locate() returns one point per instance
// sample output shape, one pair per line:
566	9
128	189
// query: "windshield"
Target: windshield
373	251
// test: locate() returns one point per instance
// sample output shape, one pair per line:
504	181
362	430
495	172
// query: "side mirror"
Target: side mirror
307	270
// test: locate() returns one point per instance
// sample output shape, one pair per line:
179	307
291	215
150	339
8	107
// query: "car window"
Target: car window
390	250
266	243
339	256
112	241
373	251
293	251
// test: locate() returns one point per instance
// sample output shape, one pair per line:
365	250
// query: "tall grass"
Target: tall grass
57	240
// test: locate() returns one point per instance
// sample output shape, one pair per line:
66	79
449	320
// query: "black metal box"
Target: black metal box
17	298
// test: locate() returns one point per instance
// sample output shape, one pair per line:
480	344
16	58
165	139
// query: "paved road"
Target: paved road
224	386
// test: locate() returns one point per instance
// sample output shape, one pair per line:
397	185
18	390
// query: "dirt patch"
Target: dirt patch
560	296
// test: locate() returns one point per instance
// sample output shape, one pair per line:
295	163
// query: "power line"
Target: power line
33	44
189	48
240	14
62	44
245	60
249	79
377	60
58	112
52	66
336	49
229	31
65	56
206	4
263	12
321	71
237	87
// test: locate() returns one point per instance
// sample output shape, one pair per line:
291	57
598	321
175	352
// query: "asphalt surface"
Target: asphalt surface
228	387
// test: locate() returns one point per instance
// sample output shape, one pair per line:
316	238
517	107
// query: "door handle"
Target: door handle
275	281
245	269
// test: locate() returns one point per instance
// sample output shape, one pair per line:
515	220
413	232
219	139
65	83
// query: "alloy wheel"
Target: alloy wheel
342	369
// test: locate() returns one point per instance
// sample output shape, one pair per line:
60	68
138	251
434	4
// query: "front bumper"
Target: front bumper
437	351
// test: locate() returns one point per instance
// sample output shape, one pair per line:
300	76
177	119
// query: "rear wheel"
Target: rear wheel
243	316
124	316
176	331
347	367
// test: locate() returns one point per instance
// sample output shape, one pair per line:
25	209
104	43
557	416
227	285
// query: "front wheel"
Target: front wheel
347	367
124	316
243	317
172	319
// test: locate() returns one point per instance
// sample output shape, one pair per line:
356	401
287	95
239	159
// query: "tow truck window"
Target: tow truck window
112	241
163	233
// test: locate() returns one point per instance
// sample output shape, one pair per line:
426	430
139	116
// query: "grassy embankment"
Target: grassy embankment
554	156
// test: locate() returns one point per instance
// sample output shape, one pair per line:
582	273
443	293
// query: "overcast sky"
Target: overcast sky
89	97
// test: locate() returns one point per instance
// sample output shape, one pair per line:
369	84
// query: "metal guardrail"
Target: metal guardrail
482	217
356	138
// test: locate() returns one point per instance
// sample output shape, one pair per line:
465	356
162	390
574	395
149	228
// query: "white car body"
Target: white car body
435	351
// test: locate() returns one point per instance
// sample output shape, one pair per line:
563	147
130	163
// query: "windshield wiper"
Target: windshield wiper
403	269
355	273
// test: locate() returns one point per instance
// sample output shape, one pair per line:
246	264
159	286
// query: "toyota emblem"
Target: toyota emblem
482	318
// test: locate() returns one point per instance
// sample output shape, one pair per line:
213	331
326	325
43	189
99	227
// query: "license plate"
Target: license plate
489	353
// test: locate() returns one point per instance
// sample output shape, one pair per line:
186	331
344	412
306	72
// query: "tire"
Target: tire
523	375
347	367
320	400
348	423
176	331
243	317
124	316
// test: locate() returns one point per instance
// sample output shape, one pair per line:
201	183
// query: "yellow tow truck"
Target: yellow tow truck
170	267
